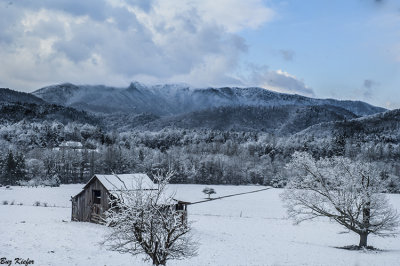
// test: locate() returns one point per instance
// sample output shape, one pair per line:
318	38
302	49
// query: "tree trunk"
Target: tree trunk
154	255
363	240
366	220
159	263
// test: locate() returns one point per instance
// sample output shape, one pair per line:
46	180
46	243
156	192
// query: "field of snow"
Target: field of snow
249	229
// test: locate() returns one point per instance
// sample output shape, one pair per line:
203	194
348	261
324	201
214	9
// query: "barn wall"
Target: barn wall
82	205
78	208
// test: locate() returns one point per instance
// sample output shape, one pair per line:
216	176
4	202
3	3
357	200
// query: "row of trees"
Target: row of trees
197	156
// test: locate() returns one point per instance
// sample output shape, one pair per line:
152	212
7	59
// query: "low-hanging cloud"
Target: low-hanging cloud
368	88
277	80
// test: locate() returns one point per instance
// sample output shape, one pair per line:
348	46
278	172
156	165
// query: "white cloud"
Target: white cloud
115	42
235	15
276	80
282	81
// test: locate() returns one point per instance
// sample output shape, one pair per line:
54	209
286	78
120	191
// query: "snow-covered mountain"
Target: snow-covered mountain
11	96
17	106
282	120
166	100
178	106
385	126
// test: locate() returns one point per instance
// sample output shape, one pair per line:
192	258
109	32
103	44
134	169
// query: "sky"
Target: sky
343	49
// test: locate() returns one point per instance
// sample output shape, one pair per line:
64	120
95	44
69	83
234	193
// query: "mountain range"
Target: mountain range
16	106
167	100
144	107
382	126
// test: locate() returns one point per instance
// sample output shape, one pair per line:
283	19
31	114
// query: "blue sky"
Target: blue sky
341	49
328	49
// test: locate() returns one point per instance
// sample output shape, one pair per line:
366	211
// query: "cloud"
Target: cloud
368	88
115	42
287	55
392	105
277	80
282	81
368	83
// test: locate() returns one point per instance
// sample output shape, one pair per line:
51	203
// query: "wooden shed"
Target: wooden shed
93	201
90	204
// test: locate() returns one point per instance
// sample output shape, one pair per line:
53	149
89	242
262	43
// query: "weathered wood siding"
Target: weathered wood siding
84	210
82	204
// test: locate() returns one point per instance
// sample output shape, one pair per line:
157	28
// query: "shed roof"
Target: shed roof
121	182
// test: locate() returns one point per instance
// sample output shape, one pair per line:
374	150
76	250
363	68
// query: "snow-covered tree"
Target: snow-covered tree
147	222
35	168
345	191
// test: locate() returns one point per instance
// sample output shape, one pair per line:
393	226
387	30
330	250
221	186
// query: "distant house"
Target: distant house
93	201
69	146
73	145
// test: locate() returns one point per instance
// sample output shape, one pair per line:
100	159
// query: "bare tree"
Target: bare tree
345	191
147	222
208	191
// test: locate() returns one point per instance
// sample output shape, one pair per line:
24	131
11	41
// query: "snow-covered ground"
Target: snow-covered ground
250	229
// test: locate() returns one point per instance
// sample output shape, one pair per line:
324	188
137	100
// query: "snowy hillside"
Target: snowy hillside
174	99
250	229
11	96
16	112
17	106
386	124
278	119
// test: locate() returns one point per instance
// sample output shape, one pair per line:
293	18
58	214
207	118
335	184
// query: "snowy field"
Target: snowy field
249	229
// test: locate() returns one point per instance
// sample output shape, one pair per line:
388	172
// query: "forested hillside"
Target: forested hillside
51	144
172	99
197	156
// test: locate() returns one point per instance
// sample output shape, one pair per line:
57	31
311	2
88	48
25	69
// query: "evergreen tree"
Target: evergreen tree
13	169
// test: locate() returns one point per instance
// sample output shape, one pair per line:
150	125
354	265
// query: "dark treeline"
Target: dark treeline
35	154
